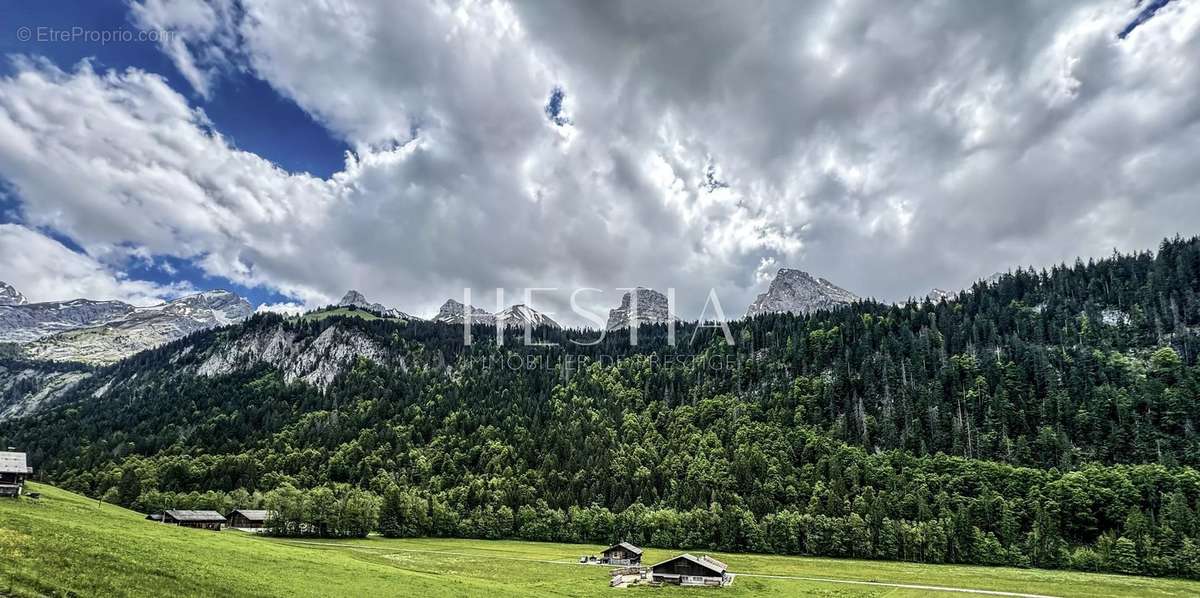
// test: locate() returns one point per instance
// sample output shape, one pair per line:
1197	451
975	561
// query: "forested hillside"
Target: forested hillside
1046	419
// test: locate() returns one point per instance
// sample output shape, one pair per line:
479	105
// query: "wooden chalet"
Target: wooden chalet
199	519
13	473
248	518
622	553
689	570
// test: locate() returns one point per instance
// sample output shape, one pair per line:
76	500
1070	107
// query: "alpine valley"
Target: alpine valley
1040	418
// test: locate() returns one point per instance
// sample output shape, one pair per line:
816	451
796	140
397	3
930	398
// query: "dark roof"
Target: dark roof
626	545
13	463
251	514
705	561
195	516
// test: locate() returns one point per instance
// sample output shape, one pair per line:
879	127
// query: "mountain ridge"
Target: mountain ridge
103	332
353	298
10	295
798	292
652	307
816	420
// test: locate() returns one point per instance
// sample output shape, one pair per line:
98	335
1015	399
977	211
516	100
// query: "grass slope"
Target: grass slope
65	544
344	312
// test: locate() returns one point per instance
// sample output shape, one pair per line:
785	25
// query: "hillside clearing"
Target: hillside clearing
345	312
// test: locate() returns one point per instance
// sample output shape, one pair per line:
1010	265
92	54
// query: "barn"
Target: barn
622	553
199	519
688	570
13	473
248	518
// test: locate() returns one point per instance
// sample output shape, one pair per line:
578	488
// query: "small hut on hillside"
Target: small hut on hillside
622	553
688	570
199	519
13	473
248	519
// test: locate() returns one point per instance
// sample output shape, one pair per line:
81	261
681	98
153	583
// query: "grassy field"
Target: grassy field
65	544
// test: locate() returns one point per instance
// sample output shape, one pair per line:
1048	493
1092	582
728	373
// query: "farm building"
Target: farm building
248	518
688	570
13	473
198	519
622	553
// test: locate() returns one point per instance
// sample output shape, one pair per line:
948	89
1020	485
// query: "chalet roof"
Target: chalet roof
714	562
195	516
626	545
13	463
705	561
251	514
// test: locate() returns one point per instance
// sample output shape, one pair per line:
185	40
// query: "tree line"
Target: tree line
1044	419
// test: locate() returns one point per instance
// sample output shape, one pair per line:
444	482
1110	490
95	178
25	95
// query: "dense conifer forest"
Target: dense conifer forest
1045	419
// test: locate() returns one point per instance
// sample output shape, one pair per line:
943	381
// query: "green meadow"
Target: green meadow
344	312
65	544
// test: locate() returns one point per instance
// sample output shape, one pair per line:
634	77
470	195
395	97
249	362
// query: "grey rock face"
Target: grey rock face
31	321
10	295
453	312
314	361
937	295
353	297
101	332
798	292
357	299
1114	317
651	307
25	388
520	315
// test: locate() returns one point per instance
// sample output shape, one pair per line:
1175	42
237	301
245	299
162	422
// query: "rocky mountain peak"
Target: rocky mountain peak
10	295
937	295
106	331
452	312
517	316
798	292
353	297
651	307
218	306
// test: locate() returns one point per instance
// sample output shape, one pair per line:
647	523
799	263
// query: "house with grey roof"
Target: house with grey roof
248	519
622	553
14	470
688	570
198	519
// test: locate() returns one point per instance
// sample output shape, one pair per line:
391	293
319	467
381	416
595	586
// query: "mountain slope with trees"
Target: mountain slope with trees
1044	419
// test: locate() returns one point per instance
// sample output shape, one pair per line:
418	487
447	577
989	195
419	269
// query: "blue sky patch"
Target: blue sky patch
244	108
1147	12
554	107
165	270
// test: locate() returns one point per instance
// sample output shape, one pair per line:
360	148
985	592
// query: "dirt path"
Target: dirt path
903	586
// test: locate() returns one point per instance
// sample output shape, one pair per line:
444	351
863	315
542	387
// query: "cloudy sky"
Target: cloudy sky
290	151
